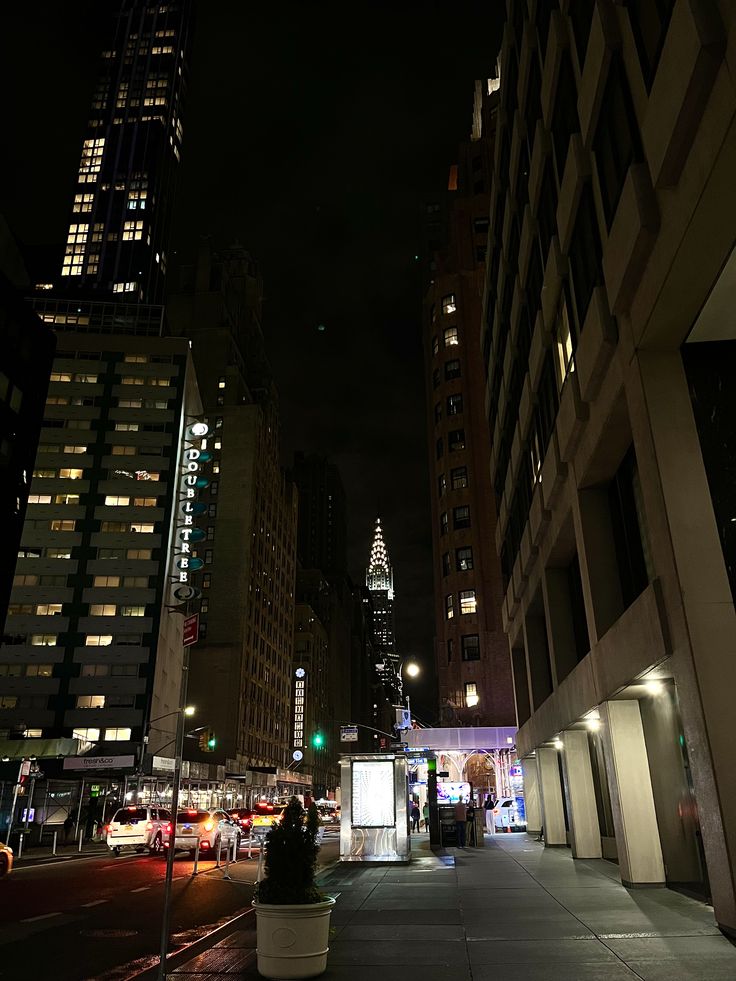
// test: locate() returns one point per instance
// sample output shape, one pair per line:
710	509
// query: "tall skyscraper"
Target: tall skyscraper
379	580
471	650
117	240
95	654
241	672
322	538
609	343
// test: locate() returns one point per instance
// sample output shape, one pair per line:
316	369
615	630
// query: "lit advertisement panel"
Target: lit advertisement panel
451	793
373	794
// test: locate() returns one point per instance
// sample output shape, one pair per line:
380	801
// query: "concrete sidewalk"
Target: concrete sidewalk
512	909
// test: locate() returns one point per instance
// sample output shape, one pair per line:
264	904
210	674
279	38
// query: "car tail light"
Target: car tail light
209	825
106	829
204	844
167	828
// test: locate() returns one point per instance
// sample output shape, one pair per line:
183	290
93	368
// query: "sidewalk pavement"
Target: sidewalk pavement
40	854
511	909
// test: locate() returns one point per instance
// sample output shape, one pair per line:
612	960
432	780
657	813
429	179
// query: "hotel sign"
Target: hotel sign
300	689
192	481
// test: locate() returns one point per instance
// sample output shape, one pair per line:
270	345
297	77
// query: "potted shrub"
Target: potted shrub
292	915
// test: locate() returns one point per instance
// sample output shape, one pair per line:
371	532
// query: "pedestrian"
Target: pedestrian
68	825
415	815
489	807
470	822
425	812
461	817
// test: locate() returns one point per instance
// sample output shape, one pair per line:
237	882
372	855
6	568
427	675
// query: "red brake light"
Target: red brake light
191	810
132	808
167	828
106	829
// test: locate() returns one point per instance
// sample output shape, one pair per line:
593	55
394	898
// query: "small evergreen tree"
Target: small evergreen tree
291	859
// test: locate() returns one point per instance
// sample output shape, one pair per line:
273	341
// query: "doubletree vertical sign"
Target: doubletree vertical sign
187	533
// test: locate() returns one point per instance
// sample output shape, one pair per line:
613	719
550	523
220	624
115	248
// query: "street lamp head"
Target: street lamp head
412	669
189	710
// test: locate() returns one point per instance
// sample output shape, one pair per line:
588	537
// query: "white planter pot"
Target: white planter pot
293	940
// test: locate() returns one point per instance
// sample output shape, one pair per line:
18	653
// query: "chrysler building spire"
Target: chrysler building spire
380	575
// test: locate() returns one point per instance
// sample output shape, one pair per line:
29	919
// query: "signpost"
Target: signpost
191	630
348	734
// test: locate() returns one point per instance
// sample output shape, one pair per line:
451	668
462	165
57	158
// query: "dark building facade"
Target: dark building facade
607	337
117	240
25	366
471	650
322	537
241	672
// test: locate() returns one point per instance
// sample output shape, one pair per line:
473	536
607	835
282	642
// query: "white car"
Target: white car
139	828
213	828
506	816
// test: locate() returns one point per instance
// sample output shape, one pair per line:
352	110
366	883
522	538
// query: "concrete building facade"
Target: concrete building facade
607	338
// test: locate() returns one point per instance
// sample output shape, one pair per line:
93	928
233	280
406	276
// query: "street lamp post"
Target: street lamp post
411	669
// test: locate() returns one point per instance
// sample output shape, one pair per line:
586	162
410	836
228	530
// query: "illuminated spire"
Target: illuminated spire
380	574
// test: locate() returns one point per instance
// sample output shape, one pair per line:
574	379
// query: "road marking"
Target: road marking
44	916
95	902
142	889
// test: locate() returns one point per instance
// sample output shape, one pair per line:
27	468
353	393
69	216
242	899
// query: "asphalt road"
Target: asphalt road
99	919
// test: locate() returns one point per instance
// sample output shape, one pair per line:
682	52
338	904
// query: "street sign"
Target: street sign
348	734
191	630
443	773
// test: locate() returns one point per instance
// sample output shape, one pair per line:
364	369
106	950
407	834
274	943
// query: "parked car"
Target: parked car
139	828
6	860
265	816
244	817
212	828
506	816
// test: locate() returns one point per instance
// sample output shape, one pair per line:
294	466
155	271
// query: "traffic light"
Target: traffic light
318	740
207	741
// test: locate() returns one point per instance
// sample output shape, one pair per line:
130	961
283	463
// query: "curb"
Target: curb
199	946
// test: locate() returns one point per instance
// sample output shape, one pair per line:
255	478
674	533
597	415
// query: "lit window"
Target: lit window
115	500
65	525
103	610
86	733
91	162
136	199
450	337
8	701
90	701
145	502
83	202
48	609
126	427
98	640
125	287
66	499
39	499
467	601
563	343
117	735
471	694
449	607
136	359
132	231
75	448
221	382
143	529
33	734
43	640
448	303
39	670
456	440
106	581
124	451
71	473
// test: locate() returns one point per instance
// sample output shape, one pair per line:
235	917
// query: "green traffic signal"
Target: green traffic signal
211	742
318	740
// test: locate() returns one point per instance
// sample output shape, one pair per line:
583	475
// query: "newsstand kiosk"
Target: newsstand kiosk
374	825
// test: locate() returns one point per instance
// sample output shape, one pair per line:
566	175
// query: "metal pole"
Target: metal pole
29	804
53	849
20	844
79	809
81	838
226	874
196	857
12	814
174	808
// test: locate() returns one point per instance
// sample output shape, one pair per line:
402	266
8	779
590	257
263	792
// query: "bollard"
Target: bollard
20	844
53	847
226	874
196	858
81	838
250	846
219	852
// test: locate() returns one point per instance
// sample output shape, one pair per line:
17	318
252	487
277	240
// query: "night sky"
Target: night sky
313	132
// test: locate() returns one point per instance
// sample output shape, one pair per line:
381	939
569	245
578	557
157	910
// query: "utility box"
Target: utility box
374	823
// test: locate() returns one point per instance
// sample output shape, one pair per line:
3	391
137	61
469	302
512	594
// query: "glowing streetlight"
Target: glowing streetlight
412	669
189	710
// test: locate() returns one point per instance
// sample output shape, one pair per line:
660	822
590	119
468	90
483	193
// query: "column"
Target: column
532	803
582	813
632	800
553	815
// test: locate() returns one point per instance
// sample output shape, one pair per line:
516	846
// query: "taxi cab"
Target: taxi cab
265	816
6	859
